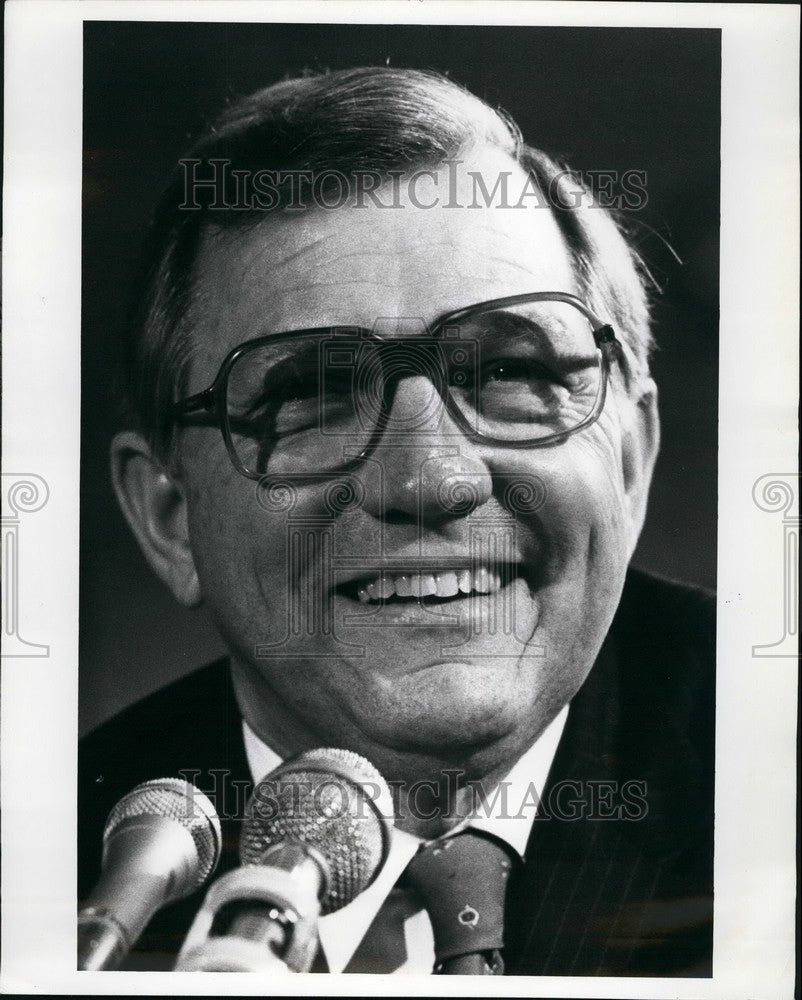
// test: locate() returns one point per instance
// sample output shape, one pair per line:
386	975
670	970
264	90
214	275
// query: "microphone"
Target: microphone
316	834
161	842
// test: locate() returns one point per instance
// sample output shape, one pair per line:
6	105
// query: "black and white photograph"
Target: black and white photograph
402	419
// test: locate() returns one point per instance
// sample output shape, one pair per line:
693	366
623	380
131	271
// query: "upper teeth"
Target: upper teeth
421	584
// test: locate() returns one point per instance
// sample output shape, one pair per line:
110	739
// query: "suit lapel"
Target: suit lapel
577	870
617	882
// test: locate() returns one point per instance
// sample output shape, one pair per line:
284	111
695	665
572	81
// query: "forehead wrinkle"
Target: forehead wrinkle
513	264
297	254
244	255
405	241
342	283
371	253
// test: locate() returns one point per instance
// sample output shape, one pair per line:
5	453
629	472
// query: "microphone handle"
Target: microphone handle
102	943
114	916
145	865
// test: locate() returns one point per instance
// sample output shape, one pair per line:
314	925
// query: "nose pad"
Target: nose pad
429	470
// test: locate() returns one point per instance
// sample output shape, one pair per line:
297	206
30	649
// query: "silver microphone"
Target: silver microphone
161	842
316	834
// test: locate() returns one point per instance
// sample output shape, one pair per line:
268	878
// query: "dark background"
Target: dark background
601	98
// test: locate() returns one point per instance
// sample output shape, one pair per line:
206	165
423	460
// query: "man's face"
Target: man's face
472	677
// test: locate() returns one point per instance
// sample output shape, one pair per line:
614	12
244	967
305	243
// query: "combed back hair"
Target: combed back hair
373	119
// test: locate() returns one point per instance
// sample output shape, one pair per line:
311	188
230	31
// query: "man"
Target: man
392	422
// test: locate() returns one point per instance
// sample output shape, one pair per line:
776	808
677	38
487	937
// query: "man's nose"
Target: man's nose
424	468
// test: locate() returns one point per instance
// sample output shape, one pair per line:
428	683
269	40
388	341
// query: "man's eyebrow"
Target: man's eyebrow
506	327
297	349
503	323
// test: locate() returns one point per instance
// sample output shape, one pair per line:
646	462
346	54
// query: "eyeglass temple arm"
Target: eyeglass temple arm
205	400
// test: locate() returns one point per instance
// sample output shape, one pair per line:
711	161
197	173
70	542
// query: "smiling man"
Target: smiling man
392	422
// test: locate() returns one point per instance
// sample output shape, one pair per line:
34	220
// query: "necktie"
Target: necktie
462	882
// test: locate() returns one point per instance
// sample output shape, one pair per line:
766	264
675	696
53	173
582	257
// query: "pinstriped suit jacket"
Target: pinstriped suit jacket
618	872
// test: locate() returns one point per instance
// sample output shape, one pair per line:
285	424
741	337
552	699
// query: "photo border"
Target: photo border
757	692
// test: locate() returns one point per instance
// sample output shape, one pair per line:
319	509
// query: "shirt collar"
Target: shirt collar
509	812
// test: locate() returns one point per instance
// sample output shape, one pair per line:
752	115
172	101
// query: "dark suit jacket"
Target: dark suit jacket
618	872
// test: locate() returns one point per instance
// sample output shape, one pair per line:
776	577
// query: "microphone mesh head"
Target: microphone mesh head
178	800
332	800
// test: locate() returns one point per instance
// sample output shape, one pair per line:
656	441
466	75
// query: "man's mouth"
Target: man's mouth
430	586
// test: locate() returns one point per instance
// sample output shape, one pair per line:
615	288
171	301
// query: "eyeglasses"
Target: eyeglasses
523	371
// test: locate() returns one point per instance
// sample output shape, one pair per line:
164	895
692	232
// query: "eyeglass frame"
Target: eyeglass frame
215	396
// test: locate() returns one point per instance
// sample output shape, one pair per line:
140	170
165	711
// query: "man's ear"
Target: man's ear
154	504
641	443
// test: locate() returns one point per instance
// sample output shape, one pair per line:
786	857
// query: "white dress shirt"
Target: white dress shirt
507	814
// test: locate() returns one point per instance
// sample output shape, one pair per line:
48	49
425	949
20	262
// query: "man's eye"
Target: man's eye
523	371
278	408
293	407
294	383
521	390
297	402
338	384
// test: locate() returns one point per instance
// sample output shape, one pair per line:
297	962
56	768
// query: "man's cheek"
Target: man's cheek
225	547
583	522
598	468
580	497
205	461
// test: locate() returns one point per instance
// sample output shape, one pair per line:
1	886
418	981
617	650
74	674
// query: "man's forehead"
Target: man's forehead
439	248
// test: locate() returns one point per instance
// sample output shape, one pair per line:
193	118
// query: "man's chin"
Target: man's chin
456	706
